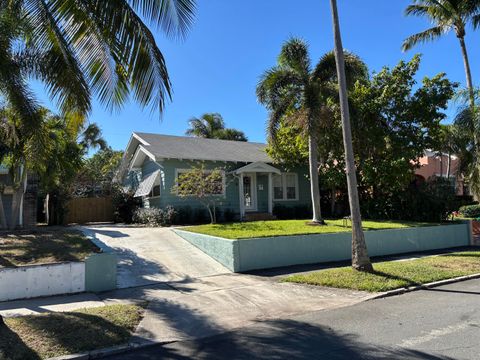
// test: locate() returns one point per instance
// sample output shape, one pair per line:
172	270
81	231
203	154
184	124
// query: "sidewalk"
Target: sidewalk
195	308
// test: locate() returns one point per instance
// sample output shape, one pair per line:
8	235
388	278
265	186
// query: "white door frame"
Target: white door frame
253	185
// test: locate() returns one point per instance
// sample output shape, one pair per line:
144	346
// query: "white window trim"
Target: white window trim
284	187
224	182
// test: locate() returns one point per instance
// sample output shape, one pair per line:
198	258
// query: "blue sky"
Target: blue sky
233	41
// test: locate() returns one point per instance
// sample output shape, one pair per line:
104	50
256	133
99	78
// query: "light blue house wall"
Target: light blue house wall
231	200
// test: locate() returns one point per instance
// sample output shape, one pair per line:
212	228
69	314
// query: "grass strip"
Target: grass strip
390	275
47	335
254	229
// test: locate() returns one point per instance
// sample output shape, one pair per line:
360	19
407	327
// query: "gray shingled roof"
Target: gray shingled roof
182	147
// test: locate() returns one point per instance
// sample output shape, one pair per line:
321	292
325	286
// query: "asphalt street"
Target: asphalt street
440	323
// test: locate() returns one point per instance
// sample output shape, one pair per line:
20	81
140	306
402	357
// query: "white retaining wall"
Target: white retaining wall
41	280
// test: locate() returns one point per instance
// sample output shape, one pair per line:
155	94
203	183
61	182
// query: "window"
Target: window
218	187
285	186
155	188
155	191
277	187
291	185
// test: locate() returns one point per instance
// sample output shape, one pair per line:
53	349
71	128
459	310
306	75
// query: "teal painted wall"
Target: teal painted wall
101	272
230	200
270	252
304	197
100	268
224	251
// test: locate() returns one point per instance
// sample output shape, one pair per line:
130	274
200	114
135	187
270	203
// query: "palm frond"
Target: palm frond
294	56
422	37
276	84
175	17
326	70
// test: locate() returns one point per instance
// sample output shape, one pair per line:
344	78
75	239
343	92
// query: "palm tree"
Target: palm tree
212	126
463	142
206	125
446	15
360	258
287	87
83	48
91	138
232	134
294	91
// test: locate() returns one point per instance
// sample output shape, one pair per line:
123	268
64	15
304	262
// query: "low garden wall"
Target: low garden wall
41	280
269	252
97	273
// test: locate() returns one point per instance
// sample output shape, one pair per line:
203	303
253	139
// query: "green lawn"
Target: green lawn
391	275
244	230
41	246
54	334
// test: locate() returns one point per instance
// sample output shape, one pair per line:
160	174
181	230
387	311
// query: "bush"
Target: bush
200	216
283	212
154	216
228	215
470	211
124	205
431	201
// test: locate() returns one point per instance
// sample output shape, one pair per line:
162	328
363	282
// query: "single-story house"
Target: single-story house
28	203
251	184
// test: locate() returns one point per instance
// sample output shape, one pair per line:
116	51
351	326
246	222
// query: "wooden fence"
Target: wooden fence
84	210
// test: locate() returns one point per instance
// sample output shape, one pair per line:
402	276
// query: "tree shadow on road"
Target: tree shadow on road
280	339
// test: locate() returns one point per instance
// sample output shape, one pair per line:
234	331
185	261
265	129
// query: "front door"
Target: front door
250	192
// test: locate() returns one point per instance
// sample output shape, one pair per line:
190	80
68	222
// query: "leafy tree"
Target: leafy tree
97	173
205	186
394	121
32	150
360	258
299	97
212	126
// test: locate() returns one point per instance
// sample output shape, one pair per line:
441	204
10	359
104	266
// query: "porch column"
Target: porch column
270	197
241	196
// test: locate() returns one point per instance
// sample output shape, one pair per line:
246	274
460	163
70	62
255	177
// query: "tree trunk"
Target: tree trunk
17	199
314	186
332	201
441	165
46	208
449	165
360	258
468	73
3	218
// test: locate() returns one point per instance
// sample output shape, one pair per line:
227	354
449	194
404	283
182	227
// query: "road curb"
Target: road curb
424	286
100	353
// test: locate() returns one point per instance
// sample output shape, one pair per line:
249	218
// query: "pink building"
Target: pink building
434	164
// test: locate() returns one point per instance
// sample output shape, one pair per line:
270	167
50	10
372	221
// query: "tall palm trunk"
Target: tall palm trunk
468	73
17	199
314	186
360	258
441	164
449	164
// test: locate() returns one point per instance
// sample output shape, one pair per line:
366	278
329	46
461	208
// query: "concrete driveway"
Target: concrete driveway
192	296
152	255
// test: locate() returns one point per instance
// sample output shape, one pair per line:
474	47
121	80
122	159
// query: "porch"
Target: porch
256	191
